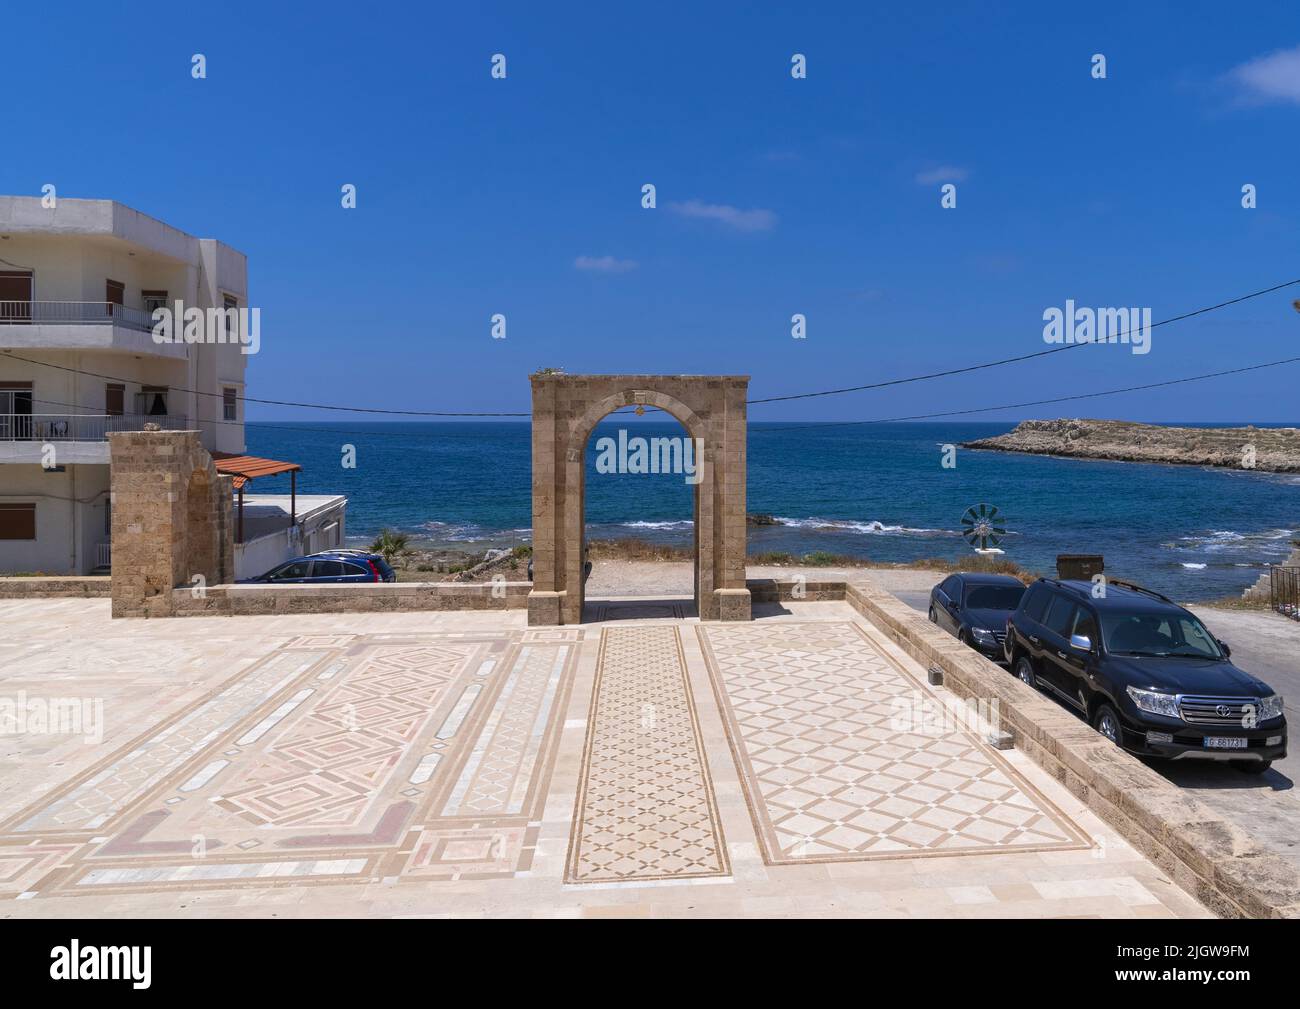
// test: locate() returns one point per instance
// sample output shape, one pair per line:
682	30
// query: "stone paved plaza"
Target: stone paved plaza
465	764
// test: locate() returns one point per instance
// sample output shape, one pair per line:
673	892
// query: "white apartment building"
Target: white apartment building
78	285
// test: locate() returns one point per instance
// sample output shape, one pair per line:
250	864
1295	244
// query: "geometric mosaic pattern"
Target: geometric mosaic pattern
645	807
831	773
340	756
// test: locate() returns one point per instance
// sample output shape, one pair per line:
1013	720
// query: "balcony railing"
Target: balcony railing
73	313
79	426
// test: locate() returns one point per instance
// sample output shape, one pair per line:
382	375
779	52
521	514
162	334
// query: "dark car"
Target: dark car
1146	673
975	608
330	567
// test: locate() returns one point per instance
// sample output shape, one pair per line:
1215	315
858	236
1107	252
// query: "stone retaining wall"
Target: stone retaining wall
375	597
773	590
1210	857
56	586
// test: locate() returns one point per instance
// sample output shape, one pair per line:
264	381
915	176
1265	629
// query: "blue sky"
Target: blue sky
775	196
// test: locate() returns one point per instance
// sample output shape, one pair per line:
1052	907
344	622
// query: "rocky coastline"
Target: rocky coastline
1269	450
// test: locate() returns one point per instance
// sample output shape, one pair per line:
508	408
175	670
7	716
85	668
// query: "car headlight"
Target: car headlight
1269	707
1154	702
980	634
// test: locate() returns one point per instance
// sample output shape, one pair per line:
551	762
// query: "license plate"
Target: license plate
1225	742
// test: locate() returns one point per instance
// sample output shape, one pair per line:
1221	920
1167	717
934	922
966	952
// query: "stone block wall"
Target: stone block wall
171	520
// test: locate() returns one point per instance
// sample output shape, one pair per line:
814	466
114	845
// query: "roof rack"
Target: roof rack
1140	588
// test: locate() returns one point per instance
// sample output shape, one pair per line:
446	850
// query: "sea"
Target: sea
875	491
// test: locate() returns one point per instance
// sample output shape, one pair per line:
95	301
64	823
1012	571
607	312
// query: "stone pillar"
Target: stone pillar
171	520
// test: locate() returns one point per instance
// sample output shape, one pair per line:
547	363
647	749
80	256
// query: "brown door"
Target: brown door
113	294
15	296
114	399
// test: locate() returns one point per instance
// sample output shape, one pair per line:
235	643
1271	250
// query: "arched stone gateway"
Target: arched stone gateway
565	410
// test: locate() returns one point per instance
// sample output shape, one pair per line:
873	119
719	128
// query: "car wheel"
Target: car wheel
1107	723
1252	766
934	617
1025	671
962	637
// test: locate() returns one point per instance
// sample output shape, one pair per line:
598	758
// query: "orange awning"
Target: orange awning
246	467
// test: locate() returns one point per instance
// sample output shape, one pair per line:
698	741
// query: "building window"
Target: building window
231	317
18	521
15	410
229	403
114	399
152	300
151	401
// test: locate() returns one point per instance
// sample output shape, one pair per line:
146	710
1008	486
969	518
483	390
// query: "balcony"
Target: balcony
73	313
83	437
81	325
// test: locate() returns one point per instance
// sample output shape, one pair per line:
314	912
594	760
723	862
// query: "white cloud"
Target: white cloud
732	217
1271	78
944	173
604	264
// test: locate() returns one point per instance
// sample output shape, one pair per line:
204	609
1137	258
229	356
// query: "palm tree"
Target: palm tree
390	544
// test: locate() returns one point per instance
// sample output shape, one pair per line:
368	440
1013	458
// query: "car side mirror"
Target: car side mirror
1081	641
1223	645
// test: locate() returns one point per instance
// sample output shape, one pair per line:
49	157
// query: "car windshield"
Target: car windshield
994	597
1158	634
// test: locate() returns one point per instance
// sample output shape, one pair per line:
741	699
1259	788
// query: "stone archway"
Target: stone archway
566	408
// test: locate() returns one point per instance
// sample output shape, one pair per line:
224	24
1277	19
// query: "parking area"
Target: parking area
461	763
1265	806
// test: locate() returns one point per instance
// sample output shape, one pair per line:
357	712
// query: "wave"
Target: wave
1193	567
679	524
869	528
1215	541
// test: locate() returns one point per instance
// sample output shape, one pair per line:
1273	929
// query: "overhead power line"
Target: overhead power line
1032	402
380	411
1020	357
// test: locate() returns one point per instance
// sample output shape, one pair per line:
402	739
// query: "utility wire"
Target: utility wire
1034	402
1021	357
770	399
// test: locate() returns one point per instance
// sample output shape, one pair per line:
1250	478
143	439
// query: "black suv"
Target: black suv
1145	673
975	607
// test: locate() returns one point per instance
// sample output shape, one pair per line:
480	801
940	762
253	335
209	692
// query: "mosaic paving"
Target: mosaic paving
636	610
812	713
364	757
645	807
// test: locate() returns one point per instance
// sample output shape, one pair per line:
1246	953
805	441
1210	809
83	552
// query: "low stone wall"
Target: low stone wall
1210	857
56	586
772	590
376	597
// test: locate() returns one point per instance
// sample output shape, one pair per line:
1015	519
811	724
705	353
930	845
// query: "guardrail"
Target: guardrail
79	426
1284	591
73	313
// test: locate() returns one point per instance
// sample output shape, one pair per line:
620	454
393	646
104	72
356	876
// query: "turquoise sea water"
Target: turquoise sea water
874	491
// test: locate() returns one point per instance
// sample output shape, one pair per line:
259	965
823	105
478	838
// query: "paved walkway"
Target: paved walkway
464	764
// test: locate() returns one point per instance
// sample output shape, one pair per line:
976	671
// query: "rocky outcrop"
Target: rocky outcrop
1270	450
